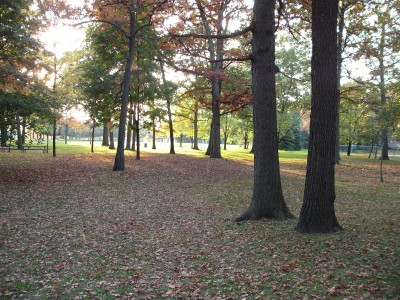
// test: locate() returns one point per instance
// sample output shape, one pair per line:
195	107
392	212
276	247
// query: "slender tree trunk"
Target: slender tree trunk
195	126
154	135
181	140
318	212
137	136
137	124
170	124
134	129
92	138
66	133
225	139
267	200
3	129
105	135
382	90
19	133
119	164
54	136
370	150
246	140
349	148
23	130
129	132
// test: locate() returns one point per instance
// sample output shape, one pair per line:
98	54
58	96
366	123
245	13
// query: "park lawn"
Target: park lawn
72	228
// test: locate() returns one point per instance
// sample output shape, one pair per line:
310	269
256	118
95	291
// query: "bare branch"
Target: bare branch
115	25
214	36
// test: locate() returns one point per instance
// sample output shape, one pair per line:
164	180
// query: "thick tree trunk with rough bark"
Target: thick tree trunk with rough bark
105	135
318	212
267	200
112	146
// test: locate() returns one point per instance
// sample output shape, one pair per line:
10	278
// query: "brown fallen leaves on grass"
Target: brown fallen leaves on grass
71	228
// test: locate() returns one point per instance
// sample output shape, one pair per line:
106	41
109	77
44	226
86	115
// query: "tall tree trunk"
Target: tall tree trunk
119	164
23	129
154	134
137	136
92	138
225	139
134	128
246	140
112	145
382	90
216	54
196	126
54	135
318	212
341	21
210	139
105	135
267	200
349	148
170	125
129	132
3	130
137	124
19	133
66	132
181	140
226	131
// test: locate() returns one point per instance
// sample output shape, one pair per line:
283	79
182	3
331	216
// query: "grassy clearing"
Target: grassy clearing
72	228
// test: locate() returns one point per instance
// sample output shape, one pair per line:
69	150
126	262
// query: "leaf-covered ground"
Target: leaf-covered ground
73	229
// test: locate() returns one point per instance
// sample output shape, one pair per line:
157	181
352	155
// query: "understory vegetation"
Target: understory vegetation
73	229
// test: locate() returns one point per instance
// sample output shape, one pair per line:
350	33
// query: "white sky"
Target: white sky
65	38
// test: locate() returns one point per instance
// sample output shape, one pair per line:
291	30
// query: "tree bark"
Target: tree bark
92	138
23	130
196	126
133	148
137	134
129	132
216	54
267	200
382	89
66	132
349	148
105	135
119	164
341	16
19	133
154	135
317	212
112	146
4	138
210	144
170	124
